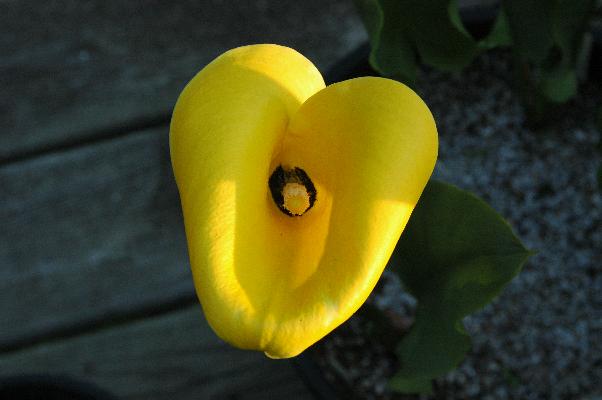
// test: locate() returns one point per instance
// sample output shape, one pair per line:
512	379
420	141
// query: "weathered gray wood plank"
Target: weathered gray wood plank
173	356
71	69
89	234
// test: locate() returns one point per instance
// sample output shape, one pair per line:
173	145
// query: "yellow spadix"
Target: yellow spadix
294	194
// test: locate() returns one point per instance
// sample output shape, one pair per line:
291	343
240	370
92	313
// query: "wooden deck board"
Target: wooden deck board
89	233
172	356
74	70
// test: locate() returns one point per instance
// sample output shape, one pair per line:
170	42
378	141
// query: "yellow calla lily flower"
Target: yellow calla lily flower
294	194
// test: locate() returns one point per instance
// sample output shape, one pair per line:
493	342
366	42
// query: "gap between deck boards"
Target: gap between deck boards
346	67
174	355
90	138
98	323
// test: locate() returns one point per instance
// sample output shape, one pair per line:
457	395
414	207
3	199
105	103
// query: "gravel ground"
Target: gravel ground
542	338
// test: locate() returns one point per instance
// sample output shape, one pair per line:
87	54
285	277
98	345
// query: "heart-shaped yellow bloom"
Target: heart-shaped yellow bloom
294	194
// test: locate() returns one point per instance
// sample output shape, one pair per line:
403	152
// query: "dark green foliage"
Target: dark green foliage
455	255
402	30
499	35
547	36
548	39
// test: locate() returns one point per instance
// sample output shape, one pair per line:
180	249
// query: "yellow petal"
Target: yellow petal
270	281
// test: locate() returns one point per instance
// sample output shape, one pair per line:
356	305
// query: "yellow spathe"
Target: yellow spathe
266	280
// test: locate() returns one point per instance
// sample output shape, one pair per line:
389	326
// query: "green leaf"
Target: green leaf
549	41
403	385
559	84
529	25
402	30
391	52
455	255
438	34
499	36
568	20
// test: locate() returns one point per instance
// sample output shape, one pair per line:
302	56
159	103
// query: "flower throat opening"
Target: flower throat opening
292	190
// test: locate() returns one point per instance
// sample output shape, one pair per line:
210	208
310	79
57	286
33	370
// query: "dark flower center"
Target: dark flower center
292	190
